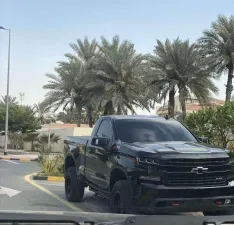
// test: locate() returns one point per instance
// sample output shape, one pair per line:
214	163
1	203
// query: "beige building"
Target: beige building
192	105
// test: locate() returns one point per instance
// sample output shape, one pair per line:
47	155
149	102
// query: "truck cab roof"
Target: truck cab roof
137	117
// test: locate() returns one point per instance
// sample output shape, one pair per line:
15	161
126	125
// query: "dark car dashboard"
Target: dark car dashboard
75	218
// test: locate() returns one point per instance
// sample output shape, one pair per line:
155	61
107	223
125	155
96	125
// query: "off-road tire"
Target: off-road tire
120	199
74	187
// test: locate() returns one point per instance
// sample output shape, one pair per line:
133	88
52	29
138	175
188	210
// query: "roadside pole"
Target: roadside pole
7	96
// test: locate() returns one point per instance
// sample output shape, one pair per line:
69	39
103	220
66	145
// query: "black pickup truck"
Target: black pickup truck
149	164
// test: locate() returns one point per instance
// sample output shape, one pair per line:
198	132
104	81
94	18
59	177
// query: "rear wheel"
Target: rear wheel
219	213
121	201
74	186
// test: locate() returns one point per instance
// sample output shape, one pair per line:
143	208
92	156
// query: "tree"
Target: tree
217	45
44	138
21	119
215	123
178	66
85	51
66	88
12	100
43	113
32	138
117	72
96	113
68	116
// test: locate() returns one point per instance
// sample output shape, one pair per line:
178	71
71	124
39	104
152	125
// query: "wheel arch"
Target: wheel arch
69	162
117	174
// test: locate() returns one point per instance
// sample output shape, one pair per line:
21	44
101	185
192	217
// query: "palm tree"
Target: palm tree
67	116
96	113
66	87
32	138
12	100
44	138
178	66
118	71
84	52
218	47
43	113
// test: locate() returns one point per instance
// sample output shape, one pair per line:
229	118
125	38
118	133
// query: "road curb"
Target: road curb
48	178
55	196
17	159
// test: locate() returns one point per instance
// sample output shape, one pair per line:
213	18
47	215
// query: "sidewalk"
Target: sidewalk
17	152
22	157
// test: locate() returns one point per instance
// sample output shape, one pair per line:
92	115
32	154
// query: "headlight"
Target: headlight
147	161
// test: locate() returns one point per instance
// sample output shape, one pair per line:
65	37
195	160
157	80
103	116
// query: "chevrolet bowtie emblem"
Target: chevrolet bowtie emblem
199	170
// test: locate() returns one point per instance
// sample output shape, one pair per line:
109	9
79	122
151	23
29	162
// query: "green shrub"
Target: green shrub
215	123
31	138
50	165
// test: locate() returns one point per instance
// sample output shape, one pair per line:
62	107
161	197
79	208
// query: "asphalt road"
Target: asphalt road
30	197
41	195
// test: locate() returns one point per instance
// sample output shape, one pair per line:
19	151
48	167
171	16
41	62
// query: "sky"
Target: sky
42	31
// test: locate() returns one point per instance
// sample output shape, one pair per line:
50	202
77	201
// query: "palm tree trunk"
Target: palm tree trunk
229	86
89	114
119	110
109	110
79	112
105	111
79	119
32	146
182	102
171	103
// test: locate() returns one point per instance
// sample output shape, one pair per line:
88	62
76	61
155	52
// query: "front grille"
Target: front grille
198	162
198	180
178	172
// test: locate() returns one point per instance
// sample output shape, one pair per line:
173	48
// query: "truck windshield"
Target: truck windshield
131	131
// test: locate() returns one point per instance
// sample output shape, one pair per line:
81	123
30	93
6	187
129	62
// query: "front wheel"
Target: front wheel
121	201
74	187
219	213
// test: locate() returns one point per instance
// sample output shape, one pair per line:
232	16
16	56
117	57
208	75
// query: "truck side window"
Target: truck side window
105	129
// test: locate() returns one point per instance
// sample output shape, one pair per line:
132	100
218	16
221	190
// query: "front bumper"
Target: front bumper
159	198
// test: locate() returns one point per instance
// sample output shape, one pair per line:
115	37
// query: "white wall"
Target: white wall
62	133
2	138
82	131
2	141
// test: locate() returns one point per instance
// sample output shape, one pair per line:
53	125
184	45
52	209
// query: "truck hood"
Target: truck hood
177	147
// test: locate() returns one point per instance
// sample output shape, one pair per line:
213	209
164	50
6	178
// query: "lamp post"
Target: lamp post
7	100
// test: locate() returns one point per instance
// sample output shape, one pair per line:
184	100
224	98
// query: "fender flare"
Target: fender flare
69	154
128	178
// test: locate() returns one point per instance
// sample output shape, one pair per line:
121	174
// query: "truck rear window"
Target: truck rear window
131	131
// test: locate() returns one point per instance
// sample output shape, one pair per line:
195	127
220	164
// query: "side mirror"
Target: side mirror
101	141
204	140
